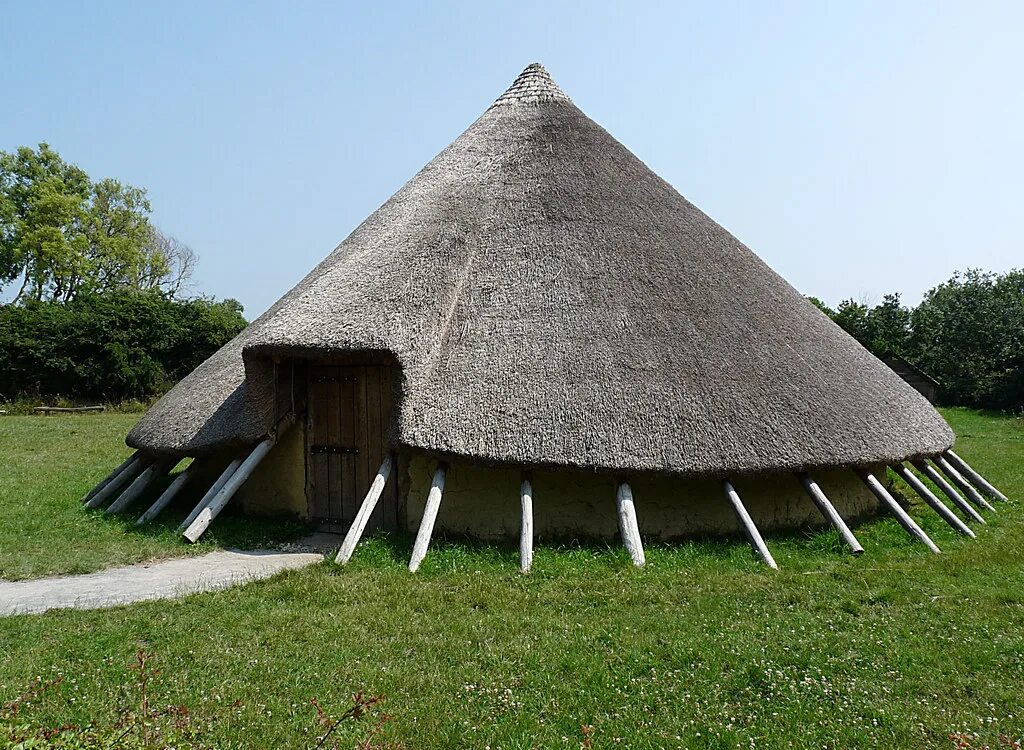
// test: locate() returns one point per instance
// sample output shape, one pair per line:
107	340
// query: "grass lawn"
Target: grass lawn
49	463
703	648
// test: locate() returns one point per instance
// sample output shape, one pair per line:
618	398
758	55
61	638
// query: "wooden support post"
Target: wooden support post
966	487
419	549
894	507
211	493
628	527
828	510
155	470
975	478
110	477
748	525
355	531
168	494
947	489
202	522
526	527
926	494
128	474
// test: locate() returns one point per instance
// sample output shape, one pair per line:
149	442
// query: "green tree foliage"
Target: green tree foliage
889	326
967	333
94	287
42	216
852	317
822	306
109	347
883	329
62	234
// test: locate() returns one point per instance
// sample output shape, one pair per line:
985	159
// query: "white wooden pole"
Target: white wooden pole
975	478
926	494
202	522
211	493
526	527
355	531
138	464
947	489
828	510
748	525
966	487
110	477
628	527
168	494
419	549
157	469
902	517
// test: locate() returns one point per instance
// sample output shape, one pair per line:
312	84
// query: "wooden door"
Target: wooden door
348	412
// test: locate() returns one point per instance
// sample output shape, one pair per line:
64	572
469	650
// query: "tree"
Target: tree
42	217
822	306
168	264
62	234
853	318
969	334
123	344
882	329
117	232
889	327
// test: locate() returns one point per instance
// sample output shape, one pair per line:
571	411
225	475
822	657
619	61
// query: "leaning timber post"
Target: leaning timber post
355	531
934	503
211	493
828	510
756	541
902	517
110	477
929	471
155	470
128	474
223	497
526	526
966	487
975	478
628	527
169	494
419	548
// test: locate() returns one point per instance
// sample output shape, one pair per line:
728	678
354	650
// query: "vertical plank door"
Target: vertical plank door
349	411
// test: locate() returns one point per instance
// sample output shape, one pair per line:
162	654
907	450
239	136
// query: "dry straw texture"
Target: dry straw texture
553	301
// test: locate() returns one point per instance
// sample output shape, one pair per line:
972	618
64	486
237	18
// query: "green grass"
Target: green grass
703	648
49	463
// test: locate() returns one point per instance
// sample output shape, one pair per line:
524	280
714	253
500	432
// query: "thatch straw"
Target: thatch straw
551	300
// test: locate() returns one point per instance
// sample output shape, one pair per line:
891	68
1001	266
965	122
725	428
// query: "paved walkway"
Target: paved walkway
165	579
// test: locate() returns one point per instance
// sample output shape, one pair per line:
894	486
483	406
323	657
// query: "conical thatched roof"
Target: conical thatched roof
553	301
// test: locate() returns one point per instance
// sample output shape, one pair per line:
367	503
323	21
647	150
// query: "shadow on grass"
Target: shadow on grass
230	529
801	547
449	552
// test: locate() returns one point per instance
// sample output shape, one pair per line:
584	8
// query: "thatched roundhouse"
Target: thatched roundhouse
537	315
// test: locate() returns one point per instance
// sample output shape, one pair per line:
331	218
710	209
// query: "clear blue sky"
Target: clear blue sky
857	147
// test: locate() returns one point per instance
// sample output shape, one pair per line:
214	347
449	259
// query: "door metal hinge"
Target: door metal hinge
343	449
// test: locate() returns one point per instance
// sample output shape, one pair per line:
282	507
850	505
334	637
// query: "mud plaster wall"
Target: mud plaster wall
278	484
483	502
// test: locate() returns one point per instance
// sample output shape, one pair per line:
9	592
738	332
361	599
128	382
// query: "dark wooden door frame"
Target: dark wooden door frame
349	410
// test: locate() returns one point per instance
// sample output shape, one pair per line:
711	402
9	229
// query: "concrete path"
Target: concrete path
165	579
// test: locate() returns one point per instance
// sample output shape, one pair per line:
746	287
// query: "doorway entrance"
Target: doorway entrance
348	414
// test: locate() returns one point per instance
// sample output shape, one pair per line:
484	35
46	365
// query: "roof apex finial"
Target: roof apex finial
533	86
